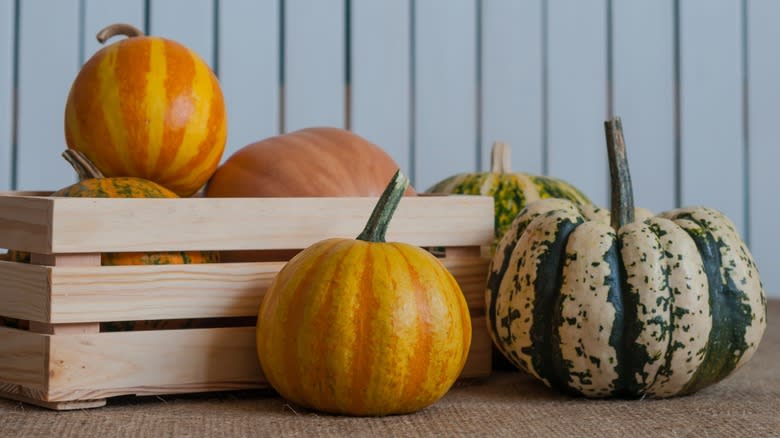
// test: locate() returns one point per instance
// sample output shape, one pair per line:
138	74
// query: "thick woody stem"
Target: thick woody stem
622	209
125	29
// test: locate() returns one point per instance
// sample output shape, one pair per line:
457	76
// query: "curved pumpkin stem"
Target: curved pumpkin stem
83	166
125	29
500	158
383	211
622	208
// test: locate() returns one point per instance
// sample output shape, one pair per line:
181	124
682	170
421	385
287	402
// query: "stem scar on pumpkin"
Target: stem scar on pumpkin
125	29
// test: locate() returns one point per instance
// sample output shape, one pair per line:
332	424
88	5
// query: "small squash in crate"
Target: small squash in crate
644	306
510	190
364	327
93	184
148	107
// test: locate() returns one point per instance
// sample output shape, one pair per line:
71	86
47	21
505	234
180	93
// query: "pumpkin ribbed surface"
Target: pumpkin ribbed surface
151	108
363	328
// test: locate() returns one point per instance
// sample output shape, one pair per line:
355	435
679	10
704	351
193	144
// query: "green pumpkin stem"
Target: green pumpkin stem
383	211
622	208
85	168
125	29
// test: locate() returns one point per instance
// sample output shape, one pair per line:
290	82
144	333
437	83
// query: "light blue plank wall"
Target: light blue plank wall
764	148
577	94
435	82
7	28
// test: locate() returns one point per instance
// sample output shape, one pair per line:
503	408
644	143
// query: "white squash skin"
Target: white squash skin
587	317
642	256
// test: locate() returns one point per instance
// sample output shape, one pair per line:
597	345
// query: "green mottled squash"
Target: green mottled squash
632	306
511	190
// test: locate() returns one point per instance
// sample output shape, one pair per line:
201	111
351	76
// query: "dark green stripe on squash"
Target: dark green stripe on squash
545	349
730	315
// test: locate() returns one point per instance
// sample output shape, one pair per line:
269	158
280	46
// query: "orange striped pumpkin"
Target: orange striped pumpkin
364	327
148	107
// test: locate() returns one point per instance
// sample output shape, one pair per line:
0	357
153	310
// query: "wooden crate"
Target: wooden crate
59	354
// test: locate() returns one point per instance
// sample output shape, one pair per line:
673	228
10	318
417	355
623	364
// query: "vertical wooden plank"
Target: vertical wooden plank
445	89
248	58
764	106
512	81
189	22
381	79
314	55
48	63
643	81
101	13
7	28
712	156
577	95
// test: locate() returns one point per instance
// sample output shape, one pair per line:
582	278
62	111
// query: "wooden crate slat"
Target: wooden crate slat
25	223
88	367
23	358
124	293
90	225
107	364
24	291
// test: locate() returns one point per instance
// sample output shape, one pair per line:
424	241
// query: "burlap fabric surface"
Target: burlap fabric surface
507	404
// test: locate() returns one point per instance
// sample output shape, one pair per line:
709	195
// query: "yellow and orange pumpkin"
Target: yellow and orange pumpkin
364	327
148	107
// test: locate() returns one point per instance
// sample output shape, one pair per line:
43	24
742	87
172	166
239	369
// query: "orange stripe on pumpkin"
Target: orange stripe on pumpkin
420	361
365	313
132	76
197	160
180	68
89	113
296	302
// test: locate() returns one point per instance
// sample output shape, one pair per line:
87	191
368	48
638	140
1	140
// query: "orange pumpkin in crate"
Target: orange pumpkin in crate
148	107
313	162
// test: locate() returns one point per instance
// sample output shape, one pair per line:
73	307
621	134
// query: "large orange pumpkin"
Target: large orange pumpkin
313	162
148	107
364	327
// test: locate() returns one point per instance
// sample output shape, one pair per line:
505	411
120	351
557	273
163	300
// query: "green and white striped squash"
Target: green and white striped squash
511	191
652	306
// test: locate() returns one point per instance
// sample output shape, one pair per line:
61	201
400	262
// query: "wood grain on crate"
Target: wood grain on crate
93	366
120	293
85	225
64	362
